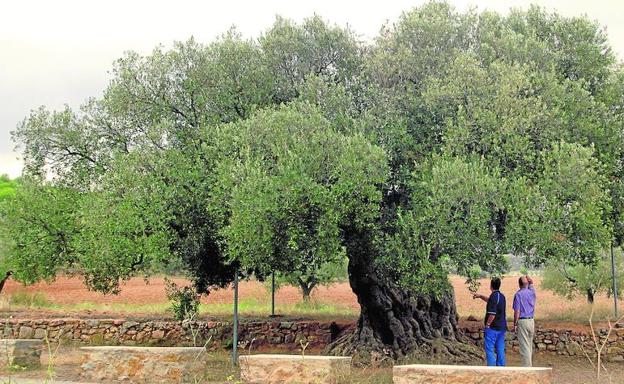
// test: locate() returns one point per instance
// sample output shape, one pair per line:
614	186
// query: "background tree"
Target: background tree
308	277
40	222
571	281
7	191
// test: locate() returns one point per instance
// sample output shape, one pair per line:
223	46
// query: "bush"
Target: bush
30	300
184	301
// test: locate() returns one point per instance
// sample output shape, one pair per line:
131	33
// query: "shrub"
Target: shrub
184	300
30	300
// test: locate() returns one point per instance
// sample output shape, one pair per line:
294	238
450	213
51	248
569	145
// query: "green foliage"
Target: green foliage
455	222
295	52
307	276
7	187
293	184
184	301
571	281
7	192
451	141
41	222
473	275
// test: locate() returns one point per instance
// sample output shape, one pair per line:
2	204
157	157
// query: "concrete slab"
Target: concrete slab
465	374
291	369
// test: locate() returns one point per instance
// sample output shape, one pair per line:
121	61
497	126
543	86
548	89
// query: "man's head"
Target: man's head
523	282
495	284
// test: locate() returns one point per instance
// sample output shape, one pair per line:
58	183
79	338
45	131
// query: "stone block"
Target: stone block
458	374
26	332
293	369
158	334
21	352
143	364
40	333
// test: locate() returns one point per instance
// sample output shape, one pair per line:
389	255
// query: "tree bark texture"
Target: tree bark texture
395	324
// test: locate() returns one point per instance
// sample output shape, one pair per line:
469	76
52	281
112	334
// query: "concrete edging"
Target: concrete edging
286	369
442	374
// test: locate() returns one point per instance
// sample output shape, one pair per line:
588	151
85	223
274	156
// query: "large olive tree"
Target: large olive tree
452	140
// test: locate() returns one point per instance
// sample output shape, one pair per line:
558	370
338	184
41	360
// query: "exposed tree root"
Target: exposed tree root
367	350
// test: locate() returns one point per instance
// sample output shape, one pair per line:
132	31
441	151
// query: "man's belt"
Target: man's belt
525	318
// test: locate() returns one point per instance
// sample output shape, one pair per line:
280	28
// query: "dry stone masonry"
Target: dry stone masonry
566	342
173	333
272	334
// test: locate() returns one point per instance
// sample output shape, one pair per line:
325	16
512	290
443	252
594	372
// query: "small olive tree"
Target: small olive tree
308	277
570	281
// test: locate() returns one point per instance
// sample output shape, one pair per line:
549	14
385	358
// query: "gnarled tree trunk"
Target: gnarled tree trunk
395	324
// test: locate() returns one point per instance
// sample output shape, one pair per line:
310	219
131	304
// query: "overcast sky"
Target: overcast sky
60	52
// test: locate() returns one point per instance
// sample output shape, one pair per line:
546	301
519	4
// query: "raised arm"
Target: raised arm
480	296
530	286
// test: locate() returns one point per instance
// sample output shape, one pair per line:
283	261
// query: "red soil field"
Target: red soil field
70	290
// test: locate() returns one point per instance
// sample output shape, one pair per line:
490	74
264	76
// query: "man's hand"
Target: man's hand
515	328
529	280
479	296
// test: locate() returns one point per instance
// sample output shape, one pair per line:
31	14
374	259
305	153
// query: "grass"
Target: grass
256	308
24	299
247	307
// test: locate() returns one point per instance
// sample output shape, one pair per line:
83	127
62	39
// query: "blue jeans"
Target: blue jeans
495	347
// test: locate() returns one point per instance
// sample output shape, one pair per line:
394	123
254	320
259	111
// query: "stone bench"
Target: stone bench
21	352
291	369
143	364
443	374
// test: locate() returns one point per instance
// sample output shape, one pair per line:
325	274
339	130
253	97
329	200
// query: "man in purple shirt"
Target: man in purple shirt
524	325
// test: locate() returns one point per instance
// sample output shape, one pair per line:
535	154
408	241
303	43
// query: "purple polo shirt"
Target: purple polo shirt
524	301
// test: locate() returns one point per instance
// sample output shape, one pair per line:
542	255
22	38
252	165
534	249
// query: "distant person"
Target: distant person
495	324
524	325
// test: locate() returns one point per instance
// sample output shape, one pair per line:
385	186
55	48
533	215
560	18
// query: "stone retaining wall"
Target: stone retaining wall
272	334
172	333
566	342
